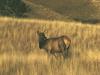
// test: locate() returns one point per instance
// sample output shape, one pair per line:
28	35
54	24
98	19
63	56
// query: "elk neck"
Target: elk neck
42	41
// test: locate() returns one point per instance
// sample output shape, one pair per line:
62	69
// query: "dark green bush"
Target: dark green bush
12	8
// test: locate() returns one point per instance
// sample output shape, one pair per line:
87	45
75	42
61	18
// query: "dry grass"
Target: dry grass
20	55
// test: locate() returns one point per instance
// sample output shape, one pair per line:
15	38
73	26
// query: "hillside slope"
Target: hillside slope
41	12
82	10
20	54
79	10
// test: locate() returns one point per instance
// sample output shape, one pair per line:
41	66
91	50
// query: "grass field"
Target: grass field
20	54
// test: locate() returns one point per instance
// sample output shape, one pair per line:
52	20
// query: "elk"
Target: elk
53	45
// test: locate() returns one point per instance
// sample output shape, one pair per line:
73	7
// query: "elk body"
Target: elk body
54	45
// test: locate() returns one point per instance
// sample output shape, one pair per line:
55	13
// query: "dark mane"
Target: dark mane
42	40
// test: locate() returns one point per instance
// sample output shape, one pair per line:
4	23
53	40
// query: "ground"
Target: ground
20	54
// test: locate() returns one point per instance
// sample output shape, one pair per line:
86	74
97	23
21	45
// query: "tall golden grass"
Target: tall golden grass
20	55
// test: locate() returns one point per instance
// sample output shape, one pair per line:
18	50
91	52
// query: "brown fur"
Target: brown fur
54	45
